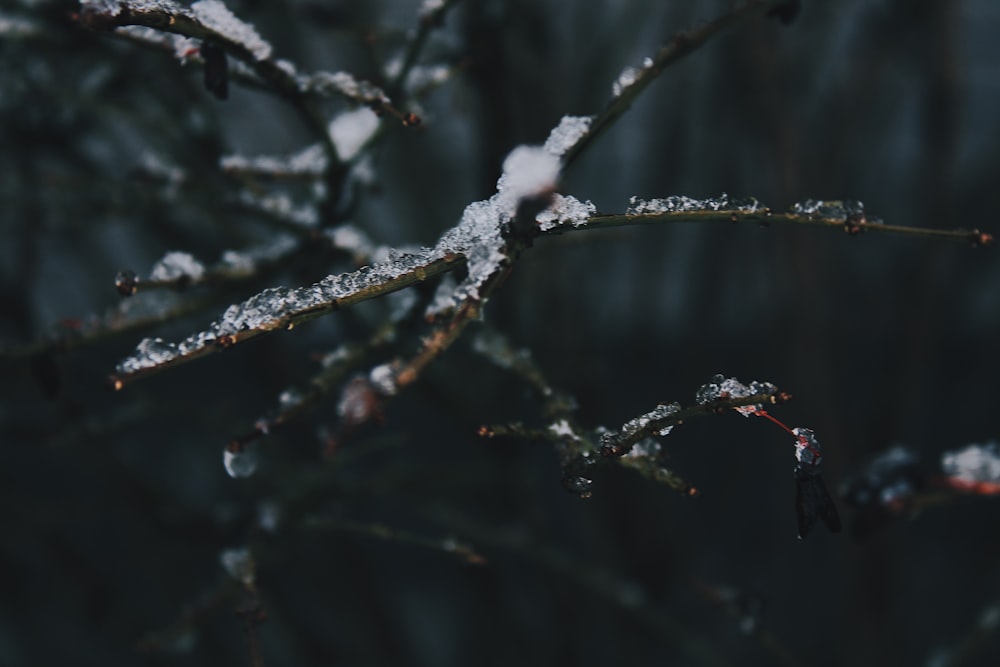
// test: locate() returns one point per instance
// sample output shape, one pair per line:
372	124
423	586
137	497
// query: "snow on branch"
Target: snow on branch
284	308
633	81
211	22
566	214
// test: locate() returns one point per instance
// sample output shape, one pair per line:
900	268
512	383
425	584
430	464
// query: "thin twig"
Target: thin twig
379	531
766	217
428	22
679	46
288	316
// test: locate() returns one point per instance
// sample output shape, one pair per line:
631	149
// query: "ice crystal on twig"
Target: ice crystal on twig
628	77
848	210
280	207
567	133
721	388
974	467
240	461
620	442
682	204
214	15
310	161
565	211
176	266
342	83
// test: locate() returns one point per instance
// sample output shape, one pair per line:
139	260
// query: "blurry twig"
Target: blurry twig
624	593
428	21
448	545
679	46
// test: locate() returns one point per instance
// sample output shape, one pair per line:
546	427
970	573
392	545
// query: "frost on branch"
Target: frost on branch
210	16
834	209
310	161
281	208
341	83
628	77
567	134
177	267
565	211
214	15
478	239
721	388
656	421
884	488
974	468
682	204
280	307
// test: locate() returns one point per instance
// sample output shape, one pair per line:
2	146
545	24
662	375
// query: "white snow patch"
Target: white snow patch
214	15
567	133
351	130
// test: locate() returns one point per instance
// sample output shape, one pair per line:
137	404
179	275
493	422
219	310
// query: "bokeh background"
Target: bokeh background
116	506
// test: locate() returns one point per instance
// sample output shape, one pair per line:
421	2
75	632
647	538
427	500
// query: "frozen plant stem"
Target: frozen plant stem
765	217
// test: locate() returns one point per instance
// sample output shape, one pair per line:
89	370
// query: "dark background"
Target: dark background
116	506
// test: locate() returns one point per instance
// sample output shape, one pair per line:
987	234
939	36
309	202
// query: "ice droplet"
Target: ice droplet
241	461
807	448
834	209
624	80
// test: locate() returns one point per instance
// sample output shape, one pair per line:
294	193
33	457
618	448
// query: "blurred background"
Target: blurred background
416	542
